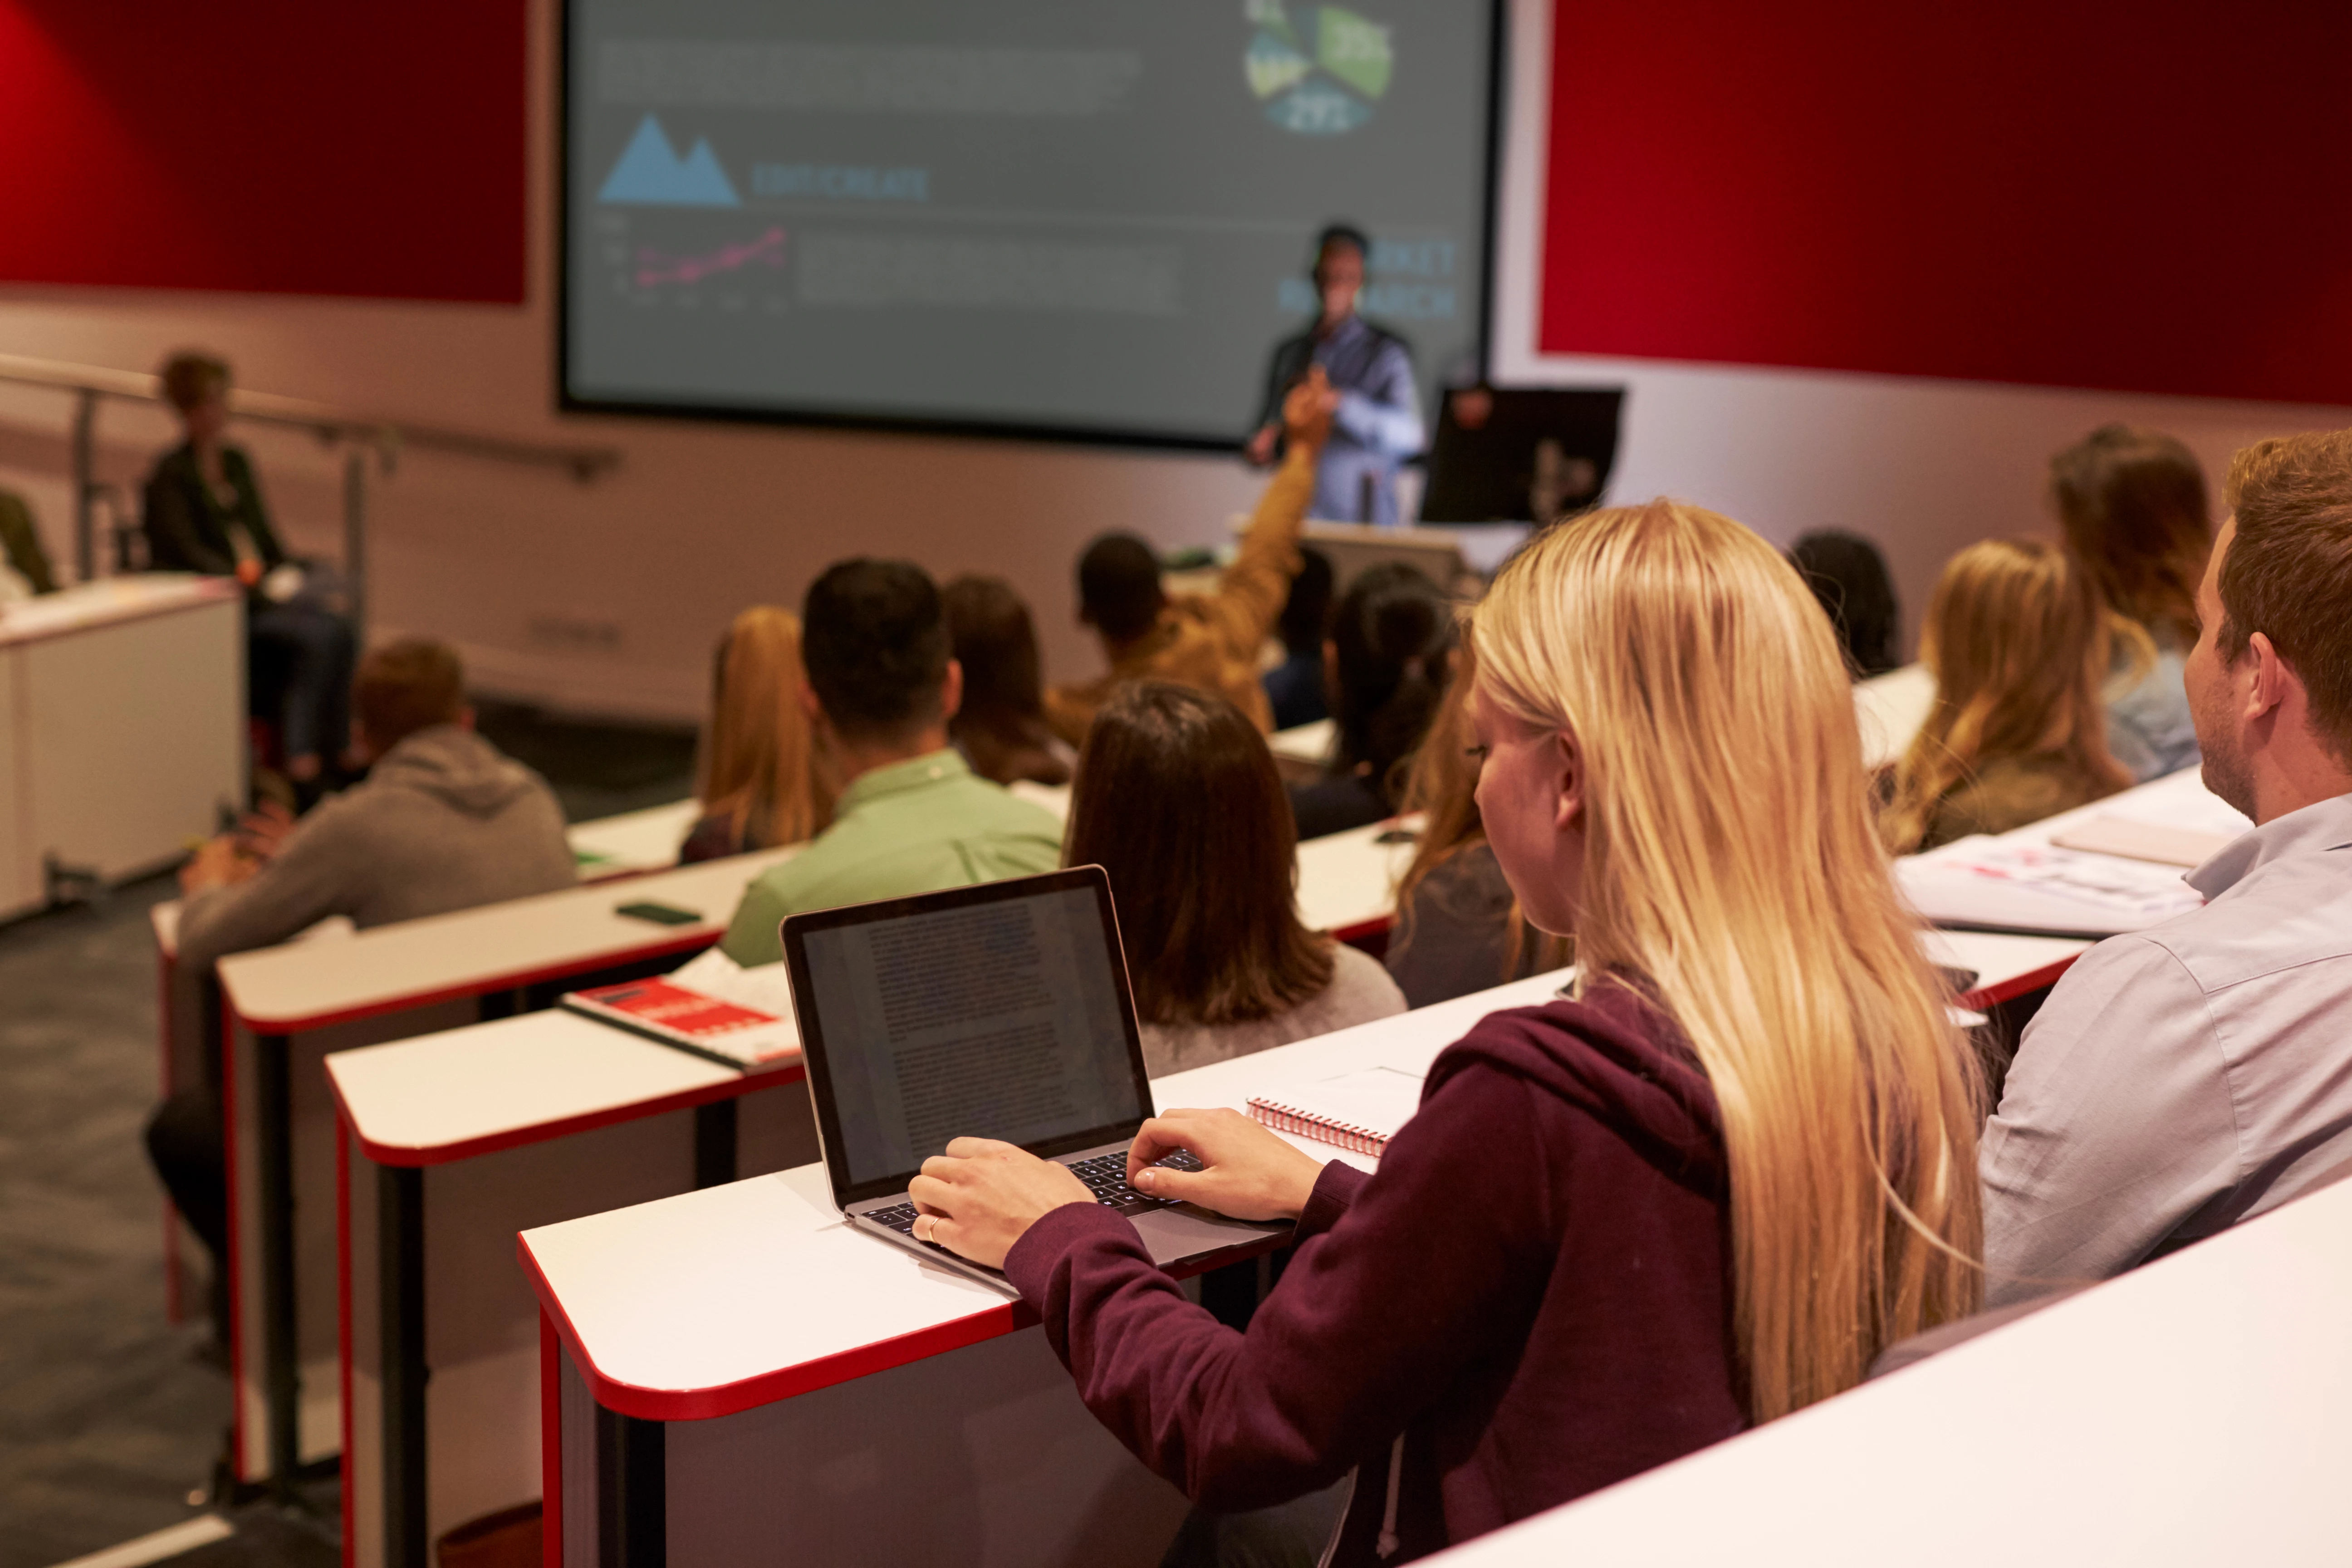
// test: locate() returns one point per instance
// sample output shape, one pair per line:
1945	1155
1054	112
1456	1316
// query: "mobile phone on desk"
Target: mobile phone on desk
658	913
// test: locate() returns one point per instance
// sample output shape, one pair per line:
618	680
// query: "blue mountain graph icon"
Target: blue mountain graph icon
651	173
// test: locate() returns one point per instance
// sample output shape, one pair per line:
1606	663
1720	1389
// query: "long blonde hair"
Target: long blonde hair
757	762
1731	868
2018	643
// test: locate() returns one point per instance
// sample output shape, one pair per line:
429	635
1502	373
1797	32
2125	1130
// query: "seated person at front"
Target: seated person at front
2133	508
2018	646
1623	1226
203	512
1207	641
1000	726
761	785
911	816
1385	667
1177	800
1377	423
1459	928
2198	1073
1294	689
442	822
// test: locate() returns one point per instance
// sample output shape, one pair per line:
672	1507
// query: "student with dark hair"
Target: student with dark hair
1000	728
1377	425
2133	508
443	821
1849	576
911	816
2192	1076
1206	641
1177	798
1295	686
1386	664
203	512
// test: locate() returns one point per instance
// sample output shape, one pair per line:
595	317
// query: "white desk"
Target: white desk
1960	883
288	1006
450	1145
794	1371
122	729
1891	709
2191	1412
633	841
1308	743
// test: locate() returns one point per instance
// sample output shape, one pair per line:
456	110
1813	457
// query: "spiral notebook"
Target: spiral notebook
1359	1111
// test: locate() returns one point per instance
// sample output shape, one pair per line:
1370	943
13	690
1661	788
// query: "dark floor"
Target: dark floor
109	1418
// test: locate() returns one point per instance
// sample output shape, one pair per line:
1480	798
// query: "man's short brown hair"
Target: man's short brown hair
2288	573
190	377
406	686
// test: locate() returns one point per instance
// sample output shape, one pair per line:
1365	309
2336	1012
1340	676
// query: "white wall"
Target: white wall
608	597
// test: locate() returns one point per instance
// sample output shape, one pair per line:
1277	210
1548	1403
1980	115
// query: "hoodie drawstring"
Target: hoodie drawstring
1386	1545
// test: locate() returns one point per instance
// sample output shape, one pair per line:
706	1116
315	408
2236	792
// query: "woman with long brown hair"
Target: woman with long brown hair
2017	644
1178	799
1702	1191
760	783
1458	927
1001	725
2133	506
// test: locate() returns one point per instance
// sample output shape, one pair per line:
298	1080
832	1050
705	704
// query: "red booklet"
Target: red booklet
725	1031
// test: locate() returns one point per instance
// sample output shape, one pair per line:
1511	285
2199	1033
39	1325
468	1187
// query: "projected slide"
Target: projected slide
1084	217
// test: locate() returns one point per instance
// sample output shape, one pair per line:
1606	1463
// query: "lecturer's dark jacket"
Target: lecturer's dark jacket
188	529
1529	1302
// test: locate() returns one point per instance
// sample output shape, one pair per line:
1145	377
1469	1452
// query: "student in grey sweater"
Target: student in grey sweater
444	821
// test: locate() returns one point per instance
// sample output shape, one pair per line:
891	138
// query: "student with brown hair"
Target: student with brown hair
760	783
202	512
1385	667
443	821
1458	927
1702	1191
2133	508
2017	643
2194	1075
1177	798
1000	728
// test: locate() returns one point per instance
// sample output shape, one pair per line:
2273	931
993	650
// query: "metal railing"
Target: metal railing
358	435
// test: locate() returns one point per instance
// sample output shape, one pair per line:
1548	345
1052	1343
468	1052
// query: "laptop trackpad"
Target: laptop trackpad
1181	1231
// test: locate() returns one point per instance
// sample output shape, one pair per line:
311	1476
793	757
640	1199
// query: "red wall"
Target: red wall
271	145
2141	196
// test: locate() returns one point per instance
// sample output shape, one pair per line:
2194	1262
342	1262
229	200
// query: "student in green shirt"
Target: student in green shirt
911	816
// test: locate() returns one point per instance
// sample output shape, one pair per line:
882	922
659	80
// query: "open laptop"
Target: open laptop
1001	1011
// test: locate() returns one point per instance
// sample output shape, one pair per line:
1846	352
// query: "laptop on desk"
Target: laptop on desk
1001	1011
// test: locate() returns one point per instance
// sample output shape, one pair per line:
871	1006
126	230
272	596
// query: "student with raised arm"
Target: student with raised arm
1210	642
1702	1192
2200	1072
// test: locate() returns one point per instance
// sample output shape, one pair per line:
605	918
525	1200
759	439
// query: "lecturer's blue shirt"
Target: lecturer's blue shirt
1376	426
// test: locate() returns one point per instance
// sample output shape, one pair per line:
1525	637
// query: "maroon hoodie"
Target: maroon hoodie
1530	1301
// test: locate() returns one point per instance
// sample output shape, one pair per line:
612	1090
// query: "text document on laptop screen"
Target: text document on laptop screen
1088	218
994	1020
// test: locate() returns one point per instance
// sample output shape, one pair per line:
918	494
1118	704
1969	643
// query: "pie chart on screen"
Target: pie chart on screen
1318	71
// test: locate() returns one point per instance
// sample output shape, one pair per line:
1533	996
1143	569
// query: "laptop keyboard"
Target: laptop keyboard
1105	1176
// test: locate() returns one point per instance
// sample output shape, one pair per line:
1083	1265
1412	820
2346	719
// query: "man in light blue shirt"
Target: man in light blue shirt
1377	425
2196	1074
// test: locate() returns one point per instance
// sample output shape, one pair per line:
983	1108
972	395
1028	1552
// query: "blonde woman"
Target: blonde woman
2018	646
1701	1192
761	782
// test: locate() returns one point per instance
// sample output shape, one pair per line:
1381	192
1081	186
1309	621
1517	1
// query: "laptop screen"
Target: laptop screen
995	1012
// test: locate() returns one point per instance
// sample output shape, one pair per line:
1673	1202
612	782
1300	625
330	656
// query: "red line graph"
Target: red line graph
655	268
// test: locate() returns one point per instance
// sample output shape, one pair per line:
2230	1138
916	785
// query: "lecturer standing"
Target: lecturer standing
1378	422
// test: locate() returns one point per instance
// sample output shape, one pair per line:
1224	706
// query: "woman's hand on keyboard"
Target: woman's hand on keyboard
1250	1173
979	1197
